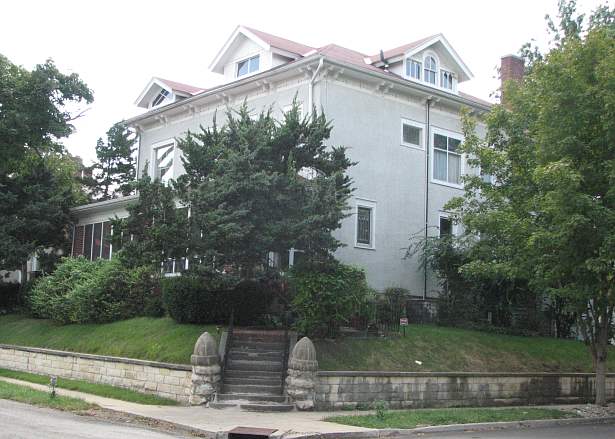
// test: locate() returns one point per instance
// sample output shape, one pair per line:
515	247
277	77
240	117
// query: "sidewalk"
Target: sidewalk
215	423
213	420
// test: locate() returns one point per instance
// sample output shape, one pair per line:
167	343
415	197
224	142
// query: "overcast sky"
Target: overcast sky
117	46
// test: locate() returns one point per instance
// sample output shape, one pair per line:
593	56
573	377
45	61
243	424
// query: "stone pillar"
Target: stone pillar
205	370
301	379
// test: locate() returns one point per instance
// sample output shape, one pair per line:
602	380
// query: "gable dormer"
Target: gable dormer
159	92
431	61
249	51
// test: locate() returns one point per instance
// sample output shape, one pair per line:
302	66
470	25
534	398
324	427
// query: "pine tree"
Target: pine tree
115	168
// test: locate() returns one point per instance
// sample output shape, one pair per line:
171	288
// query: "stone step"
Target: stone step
259	346
262	374
255	366
253	381
258	356
222	405
249	397
257	335
261	407
245	349
253	388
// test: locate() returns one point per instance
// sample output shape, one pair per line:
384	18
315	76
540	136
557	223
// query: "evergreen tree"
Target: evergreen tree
115	168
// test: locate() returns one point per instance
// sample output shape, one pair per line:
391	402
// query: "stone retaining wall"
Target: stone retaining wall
342	390
162	379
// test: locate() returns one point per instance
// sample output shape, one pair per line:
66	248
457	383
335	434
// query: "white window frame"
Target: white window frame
453	80
408	68
436	71
166	97
248	58
462	166
415	124
454	227
368	204
155	147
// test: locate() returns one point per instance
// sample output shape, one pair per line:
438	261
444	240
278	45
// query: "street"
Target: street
23	421
606	431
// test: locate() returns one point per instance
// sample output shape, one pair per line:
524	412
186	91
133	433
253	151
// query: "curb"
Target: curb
483	426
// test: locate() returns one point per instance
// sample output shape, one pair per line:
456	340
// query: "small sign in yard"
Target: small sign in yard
403	322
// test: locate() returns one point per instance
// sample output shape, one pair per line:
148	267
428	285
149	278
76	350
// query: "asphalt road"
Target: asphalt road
606	431
22	421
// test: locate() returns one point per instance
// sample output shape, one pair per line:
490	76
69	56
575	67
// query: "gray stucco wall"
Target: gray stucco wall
350	390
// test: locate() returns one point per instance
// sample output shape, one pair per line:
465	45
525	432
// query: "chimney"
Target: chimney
511	68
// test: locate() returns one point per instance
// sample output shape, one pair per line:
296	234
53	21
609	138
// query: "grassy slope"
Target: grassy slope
30	396
421	418
145	338
104	390
451	349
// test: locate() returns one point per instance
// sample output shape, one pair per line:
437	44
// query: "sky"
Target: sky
117	46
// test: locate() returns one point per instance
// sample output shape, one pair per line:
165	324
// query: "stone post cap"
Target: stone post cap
303	356
206	346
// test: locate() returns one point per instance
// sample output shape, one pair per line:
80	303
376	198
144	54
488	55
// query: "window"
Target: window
445	226
411	134
164	163
160	97
364	225
413	69
249	65
431	69
446	79
446	159
93	241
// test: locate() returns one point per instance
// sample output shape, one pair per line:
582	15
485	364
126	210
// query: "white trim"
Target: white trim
415	124
368	204
454	135
214	66
440	38
152	82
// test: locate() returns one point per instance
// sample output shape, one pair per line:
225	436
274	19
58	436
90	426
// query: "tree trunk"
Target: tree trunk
600	355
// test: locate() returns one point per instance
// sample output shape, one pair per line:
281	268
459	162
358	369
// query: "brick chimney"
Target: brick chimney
511	68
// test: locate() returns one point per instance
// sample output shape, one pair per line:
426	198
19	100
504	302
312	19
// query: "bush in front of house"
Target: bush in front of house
326	295
210	299
82	291
10	296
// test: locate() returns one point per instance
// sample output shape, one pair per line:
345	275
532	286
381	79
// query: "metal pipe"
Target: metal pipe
311	85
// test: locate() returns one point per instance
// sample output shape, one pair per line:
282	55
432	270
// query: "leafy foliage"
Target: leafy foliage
257	185
326	295
37	177
550	216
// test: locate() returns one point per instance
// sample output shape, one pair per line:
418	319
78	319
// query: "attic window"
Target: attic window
446	79
160	97
247	66
431	69
413	69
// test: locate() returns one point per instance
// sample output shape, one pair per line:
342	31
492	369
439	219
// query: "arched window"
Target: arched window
431	69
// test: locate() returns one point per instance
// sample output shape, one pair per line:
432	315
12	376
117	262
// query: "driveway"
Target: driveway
22	421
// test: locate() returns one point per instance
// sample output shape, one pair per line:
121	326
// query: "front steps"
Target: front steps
255	371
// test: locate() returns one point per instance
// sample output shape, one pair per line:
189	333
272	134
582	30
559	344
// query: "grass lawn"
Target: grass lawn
156	339
36	397
423	418
442	349
95	389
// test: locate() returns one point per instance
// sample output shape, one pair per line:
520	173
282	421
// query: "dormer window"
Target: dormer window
247	66
413	69
446	79
160	97
431	69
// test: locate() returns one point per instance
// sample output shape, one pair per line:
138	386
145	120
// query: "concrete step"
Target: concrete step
254	355
253	388
261	407
259	335
249	397
255	366
253	381
257	345
222	405
260	374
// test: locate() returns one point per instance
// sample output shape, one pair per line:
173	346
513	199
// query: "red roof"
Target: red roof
281	43
178	86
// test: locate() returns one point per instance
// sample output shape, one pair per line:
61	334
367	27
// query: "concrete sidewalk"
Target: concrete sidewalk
213	420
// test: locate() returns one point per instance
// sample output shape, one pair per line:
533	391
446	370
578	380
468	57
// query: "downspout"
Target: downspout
427	149
311	85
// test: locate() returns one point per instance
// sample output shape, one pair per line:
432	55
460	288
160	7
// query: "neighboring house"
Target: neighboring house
396	111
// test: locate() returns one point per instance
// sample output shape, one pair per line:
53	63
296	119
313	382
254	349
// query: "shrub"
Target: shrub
81	291
10	296
326	295
194	299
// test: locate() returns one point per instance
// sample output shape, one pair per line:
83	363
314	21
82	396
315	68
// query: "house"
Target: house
397	111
